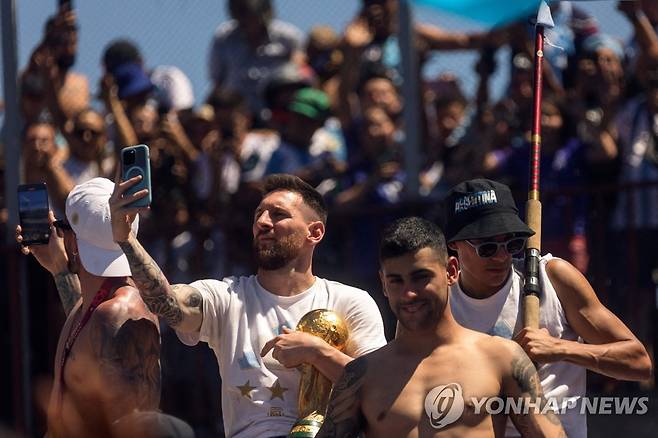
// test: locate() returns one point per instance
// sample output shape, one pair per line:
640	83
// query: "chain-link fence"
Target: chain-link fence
179	33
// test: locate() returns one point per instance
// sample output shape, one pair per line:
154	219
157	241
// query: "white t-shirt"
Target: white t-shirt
259	395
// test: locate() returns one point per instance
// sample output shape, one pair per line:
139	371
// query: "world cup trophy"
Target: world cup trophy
314	388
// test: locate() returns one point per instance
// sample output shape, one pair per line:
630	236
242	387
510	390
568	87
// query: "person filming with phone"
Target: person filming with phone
49	81
107	359
247	320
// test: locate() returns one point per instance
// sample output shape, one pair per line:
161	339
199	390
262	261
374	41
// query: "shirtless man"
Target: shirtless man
404	389
112	365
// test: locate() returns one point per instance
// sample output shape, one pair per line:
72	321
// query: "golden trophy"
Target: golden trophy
314	388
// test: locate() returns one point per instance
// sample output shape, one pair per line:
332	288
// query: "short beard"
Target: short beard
431	318
278	255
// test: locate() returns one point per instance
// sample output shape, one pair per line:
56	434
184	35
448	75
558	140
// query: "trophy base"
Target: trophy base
307	427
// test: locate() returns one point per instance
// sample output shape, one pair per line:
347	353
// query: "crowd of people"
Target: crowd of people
327	108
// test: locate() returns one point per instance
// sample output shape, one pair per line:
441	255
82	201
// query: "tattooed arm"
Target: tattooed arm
53	257
180	305
520	380
344	418
68	287
128	355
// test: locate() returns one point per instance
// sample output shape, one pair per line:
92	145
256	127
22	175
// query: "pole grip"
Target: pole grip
531	311
533	219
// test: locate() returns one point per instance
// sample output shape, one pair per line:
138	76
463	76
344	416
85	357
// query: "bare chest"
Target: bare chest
76	362
436	398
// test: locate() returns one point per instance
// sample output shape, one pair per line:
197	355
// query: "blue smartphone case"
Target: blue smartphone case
135	161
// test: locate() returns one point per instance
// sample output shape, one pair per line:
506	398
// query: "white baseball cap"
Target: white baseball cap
174	87
88	213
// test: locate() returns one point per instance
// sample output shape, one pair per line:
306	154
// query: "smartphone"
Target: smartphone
33	214
135	161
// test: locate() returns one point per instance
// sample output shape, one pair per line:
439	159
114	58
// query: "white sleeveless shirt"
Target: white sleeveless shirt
501	315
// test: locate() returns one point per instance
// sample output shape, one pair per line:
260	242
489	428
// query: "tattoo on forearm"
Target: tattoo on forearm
68	287
151	282
525	375
343	418
166	307
194	299
129	358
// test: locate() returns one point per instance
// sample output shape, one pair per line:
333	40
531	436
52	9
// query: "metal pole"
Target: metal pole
412	104
19	311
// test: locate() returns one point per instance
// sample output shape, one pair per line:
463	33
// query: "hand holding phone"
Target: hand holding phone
53	255
33	214
135	162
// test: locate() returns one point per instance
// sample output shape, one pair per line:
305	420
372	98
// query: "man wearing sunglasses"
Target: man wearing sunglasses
576	331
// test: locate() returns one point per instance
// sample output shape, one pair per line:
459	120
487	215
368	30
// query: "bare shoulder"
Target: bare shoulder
500	351
571	286
76	79
125	339
483	341
516	367
562	271
125	305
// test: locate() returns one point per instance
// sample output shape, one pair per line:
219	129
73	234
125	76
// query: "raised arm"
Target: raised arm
53	258
179	305
357	37
644	30
109	94
521	381
344	418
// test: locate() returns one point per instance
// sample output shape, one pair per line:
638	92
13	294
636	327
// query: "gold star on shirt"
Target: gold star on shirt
277	390
246	389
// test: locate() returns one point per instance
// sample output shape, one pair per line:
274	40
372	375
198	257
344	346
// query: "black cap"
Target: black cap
482	208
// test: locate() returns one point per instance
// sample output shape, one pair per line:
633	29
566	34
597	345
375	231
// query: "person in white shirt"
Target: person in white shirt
576	331
248	321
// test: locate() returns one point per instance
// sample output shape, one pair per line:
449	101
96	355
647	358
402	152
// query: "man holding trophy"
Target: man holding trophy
248	321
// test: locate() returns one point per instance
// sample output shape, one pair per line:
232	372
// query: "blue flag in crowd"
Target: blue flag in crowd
491	12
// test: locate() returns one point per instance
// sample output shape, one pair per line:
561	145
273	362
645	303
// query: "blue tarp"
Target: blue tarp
490	12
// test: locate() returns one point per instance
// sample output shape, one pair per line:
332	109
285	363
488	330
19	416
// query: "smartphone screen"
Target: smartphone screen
33	213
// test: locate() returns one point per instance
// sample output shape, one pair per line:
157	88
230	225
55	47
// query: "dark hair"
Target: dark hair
261	8
411	234
294	184
43	119
370	72
120	51
446	92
